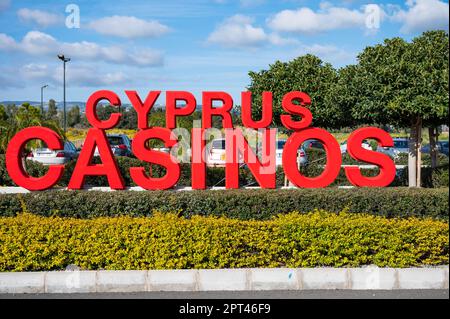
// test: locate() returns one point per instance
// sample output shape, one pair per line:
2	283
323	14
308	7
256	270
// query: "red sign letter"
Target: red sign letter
143	153
142	109
386	164
332	150
264	172
198	166
91	113
172	111
224	111
14	153
267	103
96	138
295	109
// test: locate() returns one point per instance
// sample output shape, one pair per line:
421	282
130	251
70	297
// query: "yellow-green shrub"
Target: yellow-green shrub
165	241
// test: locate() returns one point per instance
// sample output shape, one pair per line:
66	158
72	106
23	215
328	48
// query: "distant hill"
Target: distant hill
59	105
70	104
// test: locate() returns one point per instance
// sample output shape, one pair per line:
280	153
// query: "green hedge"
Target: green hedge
318	156
165	241
244	203
216	176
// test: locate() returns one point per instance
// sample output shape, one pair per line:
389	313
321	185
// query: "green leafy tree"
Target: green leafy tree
3	114
306	73
430	53
52	111
25	116
73	116
402	84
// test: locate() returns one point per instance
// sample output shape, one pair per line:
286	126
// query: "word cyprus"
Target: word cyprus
297	119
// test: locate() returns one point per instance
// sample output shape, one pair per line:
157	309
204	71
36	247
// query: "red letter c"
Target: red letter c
14	154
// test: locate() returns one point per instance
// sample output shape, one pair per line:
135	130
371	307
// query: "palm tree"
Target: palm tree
26	116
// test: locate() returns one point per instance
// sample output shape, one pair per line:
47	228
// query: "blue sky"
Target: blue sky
198	45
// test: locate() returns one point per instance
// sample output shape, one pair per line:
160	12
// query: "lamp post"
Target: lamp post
42	98
65	60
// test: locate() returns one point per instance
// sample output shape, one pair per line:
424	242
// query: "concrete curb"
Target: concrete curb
254	279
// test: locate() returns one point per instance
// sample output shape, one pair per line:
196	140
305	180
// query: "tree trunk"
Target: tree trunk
414	162
418	153
432	132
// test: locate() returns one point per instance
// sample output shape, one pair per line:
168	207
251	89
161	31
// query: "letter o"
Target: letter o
332	150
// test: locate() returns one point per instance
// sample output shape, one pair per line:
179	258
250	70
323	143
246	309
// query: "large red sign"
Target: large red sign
236	144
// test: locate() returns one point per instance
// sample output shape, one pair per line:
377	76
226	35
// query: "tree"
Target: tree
306	73
128	119
394	84
73	116
25	116
430	53
52	111
3	114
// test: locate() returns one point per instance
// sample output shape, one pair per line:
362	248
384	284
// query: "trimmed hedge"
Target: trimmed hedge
257	204
165	241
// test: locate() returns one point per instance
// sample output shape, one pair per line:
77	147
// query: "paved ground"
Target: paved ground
304	294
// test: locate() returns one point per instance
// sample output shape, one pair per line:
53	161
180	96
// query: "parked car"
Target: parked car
216	155
47	156
312	144
301	158
401	145
442	147
365	144
120	145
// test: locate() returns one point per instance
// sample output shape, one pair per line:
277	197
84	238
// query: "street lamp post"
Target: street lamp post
64	59
42	98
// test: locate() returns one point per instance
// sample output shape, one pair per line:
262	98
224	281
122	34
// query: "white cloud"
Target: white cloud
238	32
81	76
39	43
423	15
88	76
34	70
305	20
41	18
128	27
328	53
7	43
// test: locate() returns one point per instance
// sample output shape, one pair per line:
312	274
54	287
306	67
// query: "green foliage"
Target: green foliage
306	73
33	169
396	82
73	116
242	203
165	241
52	111
23	117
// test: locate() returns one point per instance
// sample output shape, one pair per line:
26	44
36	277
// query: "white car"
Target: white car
365	145
217	154
47	156
301	158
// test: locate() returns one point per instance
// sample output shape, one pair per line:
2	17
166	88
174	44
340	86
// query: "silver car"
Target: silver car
401	145
302	159
47	156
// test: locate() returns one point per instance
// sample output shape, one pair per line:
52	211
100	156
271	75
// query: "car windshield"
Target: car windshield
401	144
218	144
115	140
